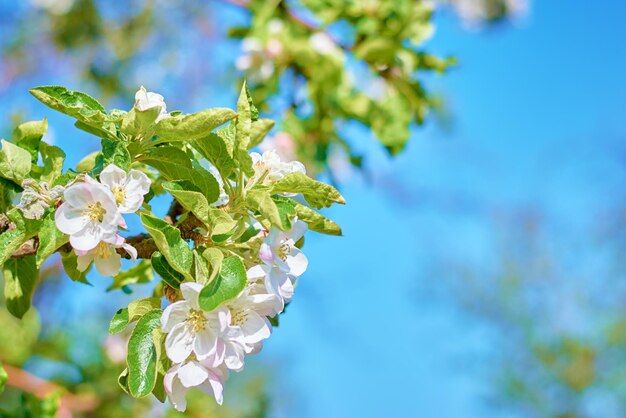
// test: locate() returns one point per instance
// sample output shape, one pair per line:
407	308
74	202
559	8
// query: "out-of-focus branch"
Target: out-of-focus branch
28	382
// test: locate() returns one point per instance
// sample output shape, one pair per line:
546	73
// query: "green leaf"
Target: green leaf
259	131
173	167
137	274
142	355
69	261
3	378
170	244
195	125
167	272
229	283
261	201
15	162
213	148
50	239
73	103
20	280
136	309
13	239
119	322
215	258
53	158
163	365
316	193
28	136
88	163
113	152
243	124
218	221
139	123
316	221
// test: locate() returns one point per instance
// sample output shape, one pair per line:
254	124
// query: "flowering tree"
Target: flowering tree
227	251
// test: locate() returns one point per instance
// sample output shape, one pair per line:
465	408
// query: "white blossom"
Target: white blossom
108	262
269	168
36	198
279	249
183	376
276	282
145	100
189	328
128	189
88	214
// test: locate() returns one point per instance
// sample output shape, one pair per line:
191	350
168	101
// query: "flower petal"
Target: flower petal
178	394
179	343
297	262
192	374
174	314
204	344
110	265
112	175
69	220
190	292
255	328
213	386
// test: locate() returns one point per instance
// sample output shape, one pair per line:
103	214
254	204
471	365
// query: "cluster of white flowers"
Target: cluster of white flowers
204	346
91	214
475	13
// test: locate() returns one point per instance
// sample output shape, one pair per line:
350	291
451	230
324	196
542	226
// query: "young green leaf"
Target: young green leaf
227	285
142	355
316	193
261	201
244	120
195	125
20	279
259	130
139	273
50	239
28	136
70	266
215	258
213	148
139	123
15	162
167	272
13	239
170	244
73	103
218	221
113	152
136	309
53	158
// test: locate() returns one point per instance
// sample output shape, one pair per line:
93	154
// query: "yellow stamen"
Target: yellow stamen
119	193
283	251
196	320
237	316
95	212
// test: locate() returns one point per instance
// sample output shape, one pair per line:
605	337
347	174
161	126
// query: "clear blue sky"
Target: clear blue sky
538	122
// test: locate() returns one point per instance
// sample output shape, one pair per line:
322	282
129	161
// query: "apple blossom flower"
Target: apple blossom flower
189	328
145	100
230	348
36	198
276	282
279	249
108	262
184	376
269	168
248	311
128	189
88	214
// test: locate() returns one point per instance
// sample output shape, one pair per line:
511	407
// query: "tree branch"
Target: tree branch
28	382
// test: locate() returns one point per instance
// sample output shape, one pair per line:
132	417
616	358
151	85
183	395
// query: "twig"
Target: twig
28	382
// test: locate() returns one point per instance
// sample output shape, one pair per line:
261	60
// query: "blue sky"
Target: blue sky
537	124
